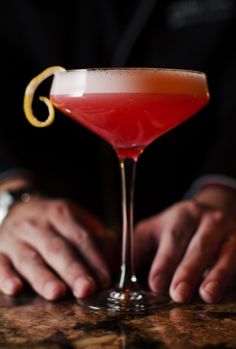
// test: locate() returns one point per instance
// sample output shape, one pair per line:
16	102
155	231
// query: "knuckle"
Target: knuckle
186	270
60	209
30	224
75	269
189	206
176	234
203	242
219	217
179	236
28	258
82	236
216	217
187	212
55	245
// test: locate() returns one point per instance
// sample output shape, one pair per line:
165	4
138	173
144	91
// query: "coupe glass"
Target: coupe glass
129	108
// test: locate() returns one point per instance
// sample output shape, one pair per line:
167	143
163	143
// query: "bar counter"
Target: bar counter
28	321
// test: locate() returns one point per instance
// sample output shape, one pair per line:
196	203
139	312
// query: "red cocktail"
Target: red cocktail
134	106
129	108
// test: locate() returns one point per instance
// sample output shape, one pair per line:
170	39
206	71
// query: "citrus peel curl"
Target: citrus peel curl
29	96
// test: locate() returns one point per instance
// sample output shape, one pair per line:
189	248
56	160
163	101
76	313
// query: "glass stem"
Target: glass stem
128	279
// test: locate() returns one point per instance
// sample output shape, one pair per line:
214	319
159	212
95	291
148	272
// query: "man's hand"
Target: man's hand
195	246
53	245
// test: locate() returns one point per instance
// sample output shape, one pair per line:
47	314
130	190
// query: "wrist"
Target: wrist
12	196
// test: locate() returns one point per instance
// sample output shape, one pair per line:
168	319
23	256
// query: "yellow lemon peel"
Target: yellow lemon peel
29	96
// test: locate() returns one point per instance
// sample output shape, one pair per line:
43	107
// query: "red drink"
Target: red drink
133	114
129	108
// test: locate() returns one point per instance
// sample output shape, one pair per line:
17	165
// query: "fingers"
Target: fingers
10	283
31	266
200	253
222	273
53	243
66	224
168	257
61	257
190	242
172	231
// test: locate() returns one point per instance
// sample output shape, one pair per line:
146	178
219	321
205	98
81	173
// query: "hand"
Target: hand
195	247
53	244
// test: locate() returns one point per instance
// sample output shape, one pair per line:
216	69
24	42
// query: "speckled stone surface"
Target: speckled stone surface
28	321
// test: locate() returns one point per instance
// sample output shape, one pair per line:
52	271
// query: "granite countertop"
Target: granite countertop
28	321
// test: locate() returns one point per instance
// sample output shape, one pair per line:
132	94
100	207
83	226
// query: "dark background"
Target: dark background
191	34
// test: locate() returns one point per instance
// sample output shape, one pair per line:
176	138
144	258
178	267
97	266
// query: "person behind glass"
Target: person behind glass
56	183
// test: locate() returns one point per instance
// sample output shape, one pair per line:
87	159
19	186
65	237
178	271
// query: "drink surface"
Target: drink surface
130	109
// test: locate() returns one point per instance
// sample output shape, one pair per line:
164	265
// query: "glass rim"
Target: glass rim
183	70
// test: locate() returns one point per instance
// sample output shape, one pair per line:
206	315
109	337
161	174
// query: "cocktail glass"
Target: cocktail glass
129	108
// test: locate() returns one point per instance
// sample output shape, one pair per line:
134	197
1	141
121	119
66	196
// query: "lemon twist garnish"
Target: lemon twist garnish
29	96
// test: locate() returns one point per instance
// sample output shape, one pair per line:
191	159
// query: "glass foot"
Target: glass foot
125	301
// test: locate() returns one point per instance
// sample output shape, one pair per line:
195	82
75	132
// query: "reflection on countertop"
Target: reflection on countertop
28	321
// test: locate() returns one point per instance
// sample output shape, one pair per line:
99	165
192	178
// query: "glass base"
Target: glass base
125	301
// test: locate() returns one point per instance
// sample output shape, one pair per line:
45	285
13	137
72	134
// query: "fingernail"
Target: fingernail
54	290
11	286
182	292
159	283
83	286
212	288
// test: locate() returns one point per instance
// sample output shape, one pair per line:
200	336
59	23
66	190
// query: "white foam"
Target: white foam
145	80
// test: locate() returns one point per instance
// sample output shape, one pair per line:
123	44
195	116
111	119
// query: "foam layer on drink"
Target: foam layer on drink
145	80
